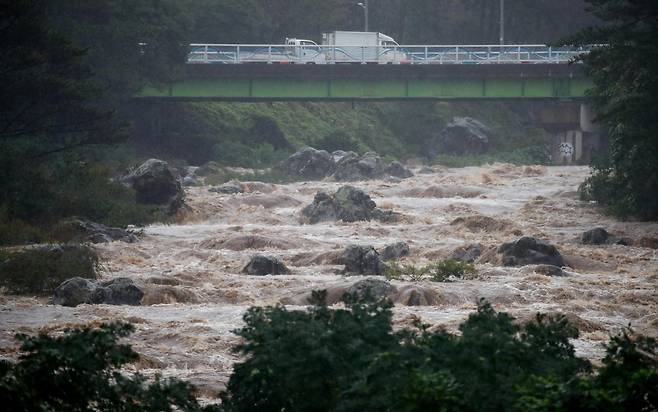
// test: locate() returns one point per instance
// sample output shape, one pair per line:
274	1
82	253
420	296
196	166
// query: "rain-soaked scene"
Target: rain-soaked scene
210	205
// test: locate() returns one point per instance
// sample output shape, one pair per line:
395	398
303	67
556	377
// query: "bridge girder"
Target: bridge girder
377	82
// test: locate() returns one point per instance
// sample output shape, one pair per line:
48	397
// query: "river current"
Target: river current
195	293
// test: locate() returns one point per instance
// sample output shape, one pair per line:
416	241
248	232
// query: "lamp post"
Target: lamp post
364	6
502	22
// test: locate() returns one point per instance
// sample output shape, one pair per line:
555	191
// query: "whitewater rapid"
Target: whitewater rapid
195	293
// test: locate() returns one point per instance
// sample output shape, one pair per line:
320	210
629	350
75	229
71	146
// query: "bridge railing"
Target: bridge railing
394	54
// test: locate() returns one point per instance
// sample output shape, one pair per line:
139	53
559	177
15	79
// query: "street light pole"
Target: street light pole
364	6
502	22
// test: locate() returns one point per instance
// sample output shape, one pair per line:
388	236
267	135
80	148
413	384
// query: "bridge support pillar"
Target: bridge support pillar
576	135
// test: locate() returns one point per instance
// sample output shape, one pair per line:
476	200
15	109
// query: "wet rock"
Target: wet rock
119	291
528	251
78	230
73	292
624	241
375	289
339	155
597	236
190	181
230	188
425	170
549	270
348	204
308	163
351	169
155	183
468	254
261	265
362	260
396	169
395	251
464	135
76	291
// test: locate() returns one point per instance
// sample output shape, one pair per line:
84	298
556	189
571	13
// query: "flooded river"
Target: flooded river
195	293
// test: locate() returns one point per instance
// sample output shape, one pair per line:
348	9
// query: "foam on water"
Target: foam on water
199	293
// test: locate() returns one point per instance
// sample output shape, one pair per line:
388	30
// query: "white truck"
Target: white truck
361	47
354	47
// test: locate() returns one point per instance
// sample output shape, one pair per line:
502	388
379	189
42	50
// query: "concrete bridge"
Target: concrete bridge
557	91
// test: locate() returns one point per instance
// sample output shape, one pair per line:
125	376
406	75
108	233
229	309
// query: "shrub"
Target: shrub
81	371
352	360
39	270
450	268
443	271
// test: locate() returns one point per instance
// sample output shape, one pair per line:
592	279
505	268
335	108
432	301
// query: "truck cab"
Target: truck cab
304	51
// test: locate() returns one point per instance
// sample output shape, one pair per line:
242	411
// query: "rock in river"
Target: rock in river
528	251
76	291
261	265
596	236
396	169
308	163
366	167
375	289
395	251
156	184
348	204
362	260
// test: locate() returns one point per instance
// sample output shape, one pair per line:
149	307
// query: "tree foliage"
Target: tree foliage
625	72
352	360
80	371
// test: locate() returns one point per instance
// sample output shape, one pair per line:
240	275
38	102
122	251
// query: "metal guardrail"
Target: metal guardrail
403	54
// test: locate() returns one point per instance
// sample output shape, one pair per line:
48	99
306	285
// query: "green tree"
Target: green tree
80	372
352	360
625	72
46	88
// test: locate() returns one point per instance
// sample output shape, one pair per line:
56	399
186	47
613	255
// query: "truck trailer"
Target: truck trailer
361	47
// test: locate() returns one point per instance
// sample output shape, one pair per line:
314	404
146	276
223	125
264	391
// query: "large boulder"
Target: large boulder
395	251
468	253
339	155
119	291
348	204
596	236
261	265
308	163
362	260
76	291
397	169
155	183
78	230
371	289
463	135
530	251
366	167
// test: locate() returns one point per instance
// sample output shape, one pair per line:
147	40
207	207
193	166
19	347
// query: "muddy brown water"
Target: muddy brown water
195	293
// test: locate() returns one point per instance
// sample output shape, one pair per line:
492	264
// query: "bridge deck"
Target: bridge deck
267	82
